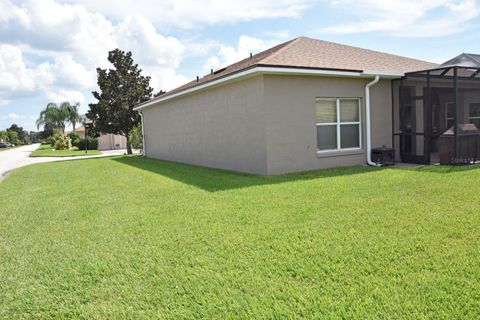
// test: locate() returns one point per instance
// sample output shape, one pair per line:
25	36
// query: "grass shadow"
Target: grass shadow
213	180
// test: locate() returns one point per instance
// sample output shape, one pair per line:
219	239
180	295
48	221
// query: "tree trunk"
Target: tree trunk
129	147
73	125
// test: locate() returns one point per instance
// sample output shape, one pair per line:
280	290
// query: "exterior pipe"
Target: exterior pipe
143	134
367	116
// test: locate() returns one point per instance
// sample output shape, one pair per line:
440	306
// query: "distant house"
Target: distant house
308	104
106	141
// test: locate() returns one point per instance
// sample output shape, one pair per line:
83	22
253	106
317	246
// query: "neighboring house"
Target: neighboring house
107	141
309	104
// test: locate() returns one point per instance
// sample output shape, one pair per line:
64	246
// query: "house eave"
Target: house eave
265	70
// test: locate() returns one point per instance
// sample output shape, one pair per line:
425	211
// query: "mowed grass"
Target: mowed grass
46	150
129	237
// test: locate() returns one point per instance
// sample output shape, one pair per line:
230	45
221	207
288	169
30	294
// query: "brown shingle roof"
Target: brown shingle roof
304	52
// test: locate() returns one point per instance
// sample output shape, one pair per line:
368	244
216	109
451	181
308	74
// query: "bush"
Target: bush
61	141
92	144
48	140
75	138
3	136
135	138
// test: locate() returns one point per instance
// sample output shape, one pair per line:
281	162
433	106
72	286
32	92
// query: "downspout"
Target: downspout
367	116
143	135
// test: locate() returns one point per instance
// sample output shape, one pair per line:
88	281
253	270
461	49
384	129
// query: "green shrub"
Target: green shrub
48	140
92	144
3	136
135	138
61	141
75	138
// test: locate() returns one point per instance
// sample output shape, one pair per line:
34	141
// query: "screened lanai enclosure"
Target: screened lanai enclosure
436	113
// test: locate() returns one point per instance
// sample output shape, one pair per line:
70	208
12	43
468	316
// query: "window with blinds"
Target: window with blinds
338	124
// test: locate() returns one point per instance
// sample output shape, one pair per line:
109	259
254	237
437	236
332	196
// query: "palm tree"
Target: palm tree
54	115
72	111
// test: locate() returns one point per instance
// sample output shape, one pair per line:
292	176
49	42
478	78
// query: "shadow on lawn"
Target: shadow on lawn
213	180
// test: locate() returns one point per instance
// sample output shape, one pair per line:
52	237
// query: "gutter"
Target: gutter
268	70
143	135
367	115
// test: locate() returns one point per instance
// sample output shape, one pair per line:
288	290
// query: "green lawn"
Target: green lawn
46	150
129	237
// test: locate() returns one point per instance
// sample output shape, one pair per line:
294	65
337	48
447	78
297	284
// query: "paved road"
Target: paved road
19	157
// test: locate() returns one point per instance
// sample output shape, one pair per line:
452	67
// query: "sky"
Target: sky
50	49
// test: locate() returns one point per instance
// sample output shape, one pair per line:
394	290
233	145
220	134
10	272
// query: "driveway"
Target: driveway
20	157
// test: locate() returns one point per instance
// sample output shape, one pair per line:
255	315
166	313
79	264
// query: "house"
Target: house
106	141
308	104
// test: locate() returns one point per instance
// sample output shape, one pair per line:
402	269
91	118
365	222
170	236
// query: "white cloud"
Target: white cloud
193	13
158	55
8	11
408	18
75	41
227	55
65	95
68	73
19	80
14	74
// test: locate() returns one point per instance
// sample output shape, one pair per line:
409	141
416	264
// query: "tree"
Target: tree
3	136
53	115
35	136
23	137
72	113
47	131
26	137
13	137
121	88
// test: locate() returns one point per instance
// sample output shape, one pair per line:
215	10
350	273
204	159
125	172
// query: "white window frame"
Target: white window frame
338	124
469	110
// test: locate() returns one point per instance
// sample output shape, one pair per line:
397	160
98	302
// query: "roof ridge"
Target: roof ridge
281	49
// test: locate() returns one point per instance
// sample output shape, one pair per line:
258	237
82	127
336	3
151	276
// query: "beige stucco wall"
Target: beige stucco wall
107	141
290	120
262	125
222	127
111	141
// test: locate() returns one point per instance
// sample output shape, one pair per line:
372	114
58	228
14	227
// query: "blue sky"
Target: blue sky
49	49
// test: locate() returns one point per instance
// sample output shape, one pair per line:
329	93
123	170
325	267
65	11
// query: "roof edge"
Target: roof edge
472	56
268	69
